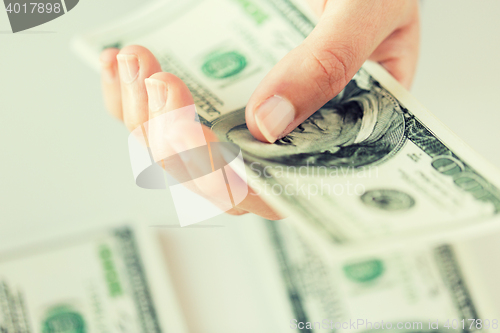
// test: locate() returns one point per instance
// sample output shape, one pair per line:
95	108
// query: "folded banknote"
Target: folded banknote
371	165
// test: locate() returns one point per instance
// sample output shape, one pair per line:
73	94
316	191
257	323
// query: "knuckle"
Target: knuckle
114	108
318	6
212	189
236	212
132	49
116	112
333	67
131	124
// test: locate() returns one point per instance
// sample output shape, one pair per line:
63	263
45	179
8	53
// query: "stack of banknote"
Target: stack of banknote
111	280
405	174
378	226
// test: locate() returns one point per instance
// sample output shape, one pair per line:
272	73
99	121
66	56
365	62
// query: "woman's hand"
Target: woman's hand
137	92
348	33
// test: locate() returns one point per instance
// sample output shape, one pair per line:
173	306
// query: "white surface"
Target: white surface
64	161
457	78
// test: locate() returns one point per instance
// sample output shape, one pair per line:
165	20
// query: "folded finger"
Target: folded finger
135	63
190	152
110	82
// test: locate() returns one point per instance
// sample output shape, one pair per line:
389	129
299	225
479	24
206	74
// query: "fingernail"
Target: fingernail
128	65
157	94
273	117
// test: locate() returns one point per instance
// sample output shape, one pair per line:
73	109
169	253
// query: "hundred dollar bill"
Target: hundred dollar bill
417	289
370	165
87	283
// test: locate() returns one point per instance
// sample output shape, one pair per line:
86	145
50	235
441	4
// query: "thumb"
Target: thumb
318	69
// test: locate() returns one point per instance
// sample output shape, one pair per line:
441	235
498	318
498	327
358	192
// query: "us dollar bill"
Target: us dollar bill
371	165
95	282
418	289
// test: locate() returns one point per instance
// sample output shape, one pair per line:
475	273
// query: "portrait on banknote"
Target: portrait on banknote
361	126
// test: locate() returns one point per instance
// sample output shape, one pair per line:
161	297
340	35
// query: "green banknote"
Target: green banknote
371	165
87	283
417	289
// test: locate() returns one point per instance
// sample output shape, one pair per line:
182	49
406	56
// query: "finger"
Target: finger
167	93
398	54
317	6
317	70
135	63
236	212
170	102
241	195
173	133
188	147
110	82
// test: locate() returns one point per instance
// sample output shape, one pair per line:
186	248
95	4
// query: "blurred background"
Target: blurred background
65	166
